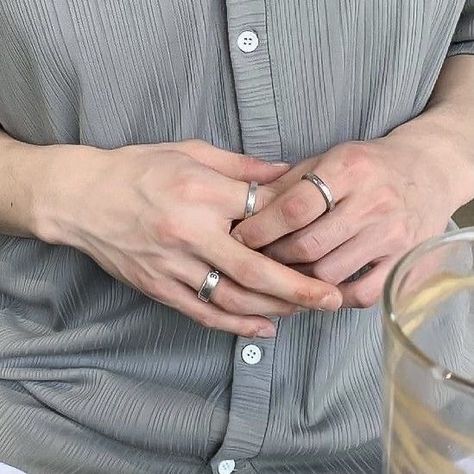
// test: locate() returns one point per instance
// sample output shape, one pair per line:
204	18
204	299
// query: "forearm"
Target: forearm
445	130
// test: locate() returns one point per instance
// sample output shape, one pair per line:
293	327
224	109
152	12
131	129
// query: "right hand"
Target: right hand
158	217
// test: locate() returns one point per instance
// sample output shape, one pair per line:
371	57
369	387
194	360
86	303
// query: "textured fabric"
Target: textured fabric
463	39
96	378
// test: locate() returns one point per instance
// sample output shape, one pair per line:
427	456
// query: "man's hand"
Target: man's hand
157	217
391	194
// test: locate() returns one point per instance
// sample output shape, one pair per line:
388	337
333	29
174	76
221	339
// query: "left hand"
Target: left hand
390	195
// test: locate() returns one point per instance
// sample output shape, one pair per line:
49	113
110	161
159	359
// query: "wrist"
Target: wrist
22	168
66	182
442	149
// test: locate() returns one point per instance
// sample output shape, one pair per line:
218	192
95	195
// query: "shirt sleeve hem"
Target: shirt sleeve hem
464	47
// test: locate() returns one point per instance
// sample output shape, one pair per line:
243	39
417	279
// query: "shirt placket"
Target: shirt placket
251	66
249	407
253	360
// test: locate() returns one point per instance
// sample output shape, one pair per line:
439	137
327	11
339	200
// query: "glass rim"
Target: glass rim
390	318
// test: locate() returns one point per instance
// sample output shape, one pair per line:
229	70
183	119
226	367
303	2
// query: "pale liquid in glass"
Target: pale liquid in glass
420	440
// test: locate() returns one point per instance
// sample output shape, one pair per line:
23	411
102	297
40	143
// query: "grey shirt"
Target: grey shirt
97	378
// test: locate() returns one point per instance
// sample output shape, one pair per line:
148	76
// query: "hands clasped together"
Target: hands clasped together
160	217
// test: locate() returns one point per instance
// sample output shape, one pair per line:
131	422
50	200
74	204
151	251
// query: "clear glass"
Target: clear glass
429	359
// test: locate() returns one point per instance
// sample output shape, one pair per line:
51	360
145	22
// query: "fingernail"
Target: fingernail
331	302
238	237
279	163
267	331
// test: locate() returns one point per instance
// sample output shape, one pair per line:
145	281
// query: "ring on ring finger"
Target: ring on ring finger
208	285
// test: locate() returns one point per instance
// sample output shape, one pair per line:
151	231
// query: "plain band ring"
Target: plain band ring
208	285
251	199
323	189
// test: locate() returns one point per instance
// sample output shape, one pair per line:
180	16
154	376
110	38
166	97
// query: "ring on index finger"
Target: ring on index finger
323	188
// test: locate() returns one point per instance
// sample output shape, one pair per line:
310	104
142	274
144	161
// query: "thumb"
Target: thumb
233	165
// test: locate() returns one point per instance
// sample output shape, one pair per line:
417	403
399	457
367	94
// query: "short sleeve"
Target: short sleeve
463	39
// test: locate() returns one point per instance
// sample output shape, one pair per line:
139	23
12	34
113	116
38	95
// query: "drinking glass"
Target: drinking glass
429	359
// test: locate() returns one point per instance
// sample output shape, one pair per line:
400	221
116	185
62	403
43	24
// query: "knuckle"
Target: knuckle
386	199
248	274
168	230
325	273
307	248
306	296
365	296
389	193
252	233
342	227
399	234
187	186
207	320
246	166
239	270
249	331
231	302
156	289
142	282
289	309
356	158
294	210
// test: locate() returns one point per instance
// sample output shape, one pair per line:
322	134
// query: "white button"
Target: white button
247	41
251	354
226	467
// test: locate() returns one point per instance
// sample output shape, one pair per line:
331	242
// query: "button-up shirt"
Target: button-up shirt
96	377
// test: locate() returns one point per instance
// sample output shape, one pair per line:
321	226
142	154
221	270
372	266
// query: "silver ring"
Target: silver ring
251	199
208	285
323	189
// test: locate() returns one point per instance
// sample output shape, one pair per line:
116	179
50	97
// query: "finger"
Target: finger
340	168
318	238
228	295
233	195
184	299
288	212
233	165
356	253
367	290
258	273
300	205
